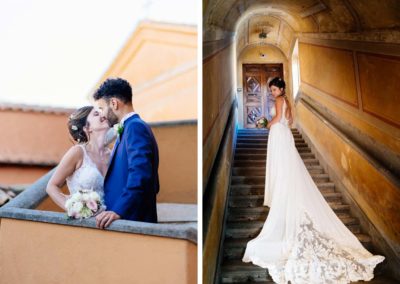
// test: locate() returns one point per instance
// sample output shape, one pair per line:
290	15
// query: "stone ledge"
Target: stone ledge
183	230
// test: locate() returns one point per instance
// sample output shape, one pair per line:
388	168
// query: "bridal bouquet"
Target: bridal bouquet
262	122
83	204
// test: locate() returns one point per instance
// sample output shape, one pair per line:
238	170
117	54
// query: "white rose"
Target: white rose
76	197
85	197
94	196
77	207
68	203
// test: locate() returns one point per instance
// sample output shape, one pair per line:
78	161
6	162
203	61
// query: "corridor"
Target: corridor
341	62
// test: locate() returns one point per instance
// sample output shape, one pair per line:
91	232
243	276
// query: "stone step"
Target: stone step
256	137
262	130
263	138
254	189
258	200
236	271
260	180
259	214
253	133
261	163
252	229
251	145
259	171
234	248
263	157
336	207
238	214
264	150
264	143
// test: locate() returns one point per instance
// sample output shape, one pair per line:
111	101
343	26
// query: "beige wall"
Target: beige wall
178	163
160	62
359	87
30	136
54	253
29	140
218	93
330	70
12	175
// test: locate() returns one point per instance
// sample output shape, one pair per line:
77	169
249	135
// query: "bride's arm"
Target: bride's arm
69	163
278	110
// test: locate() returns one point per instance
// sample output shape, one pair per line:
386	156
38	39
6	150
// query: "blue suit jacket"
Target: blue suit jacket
131	183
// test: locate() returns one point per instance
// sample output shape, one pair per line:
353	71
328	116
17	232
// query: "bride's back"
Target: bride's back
286	110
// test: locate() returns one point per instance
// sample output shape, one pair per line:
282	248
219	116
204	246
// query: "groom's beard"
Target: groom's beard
112	118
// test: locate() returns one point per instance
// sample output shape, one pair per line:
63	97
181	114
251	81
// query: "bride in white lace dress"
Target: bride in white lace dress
84	165
302	240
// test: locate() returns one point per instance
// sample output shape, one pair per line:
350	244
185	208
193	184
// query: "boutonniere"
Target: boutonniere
119	128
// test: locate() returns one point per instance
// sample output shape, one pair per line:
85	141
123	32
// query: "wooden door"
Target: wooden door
255	91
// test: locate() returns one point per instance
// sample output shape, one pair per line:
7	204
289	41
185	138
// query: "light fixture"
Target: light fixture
264	28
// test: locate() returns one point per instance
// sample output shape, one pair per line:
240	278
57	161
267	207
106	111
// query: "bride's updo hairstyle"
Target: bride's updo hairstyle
279	83
77	121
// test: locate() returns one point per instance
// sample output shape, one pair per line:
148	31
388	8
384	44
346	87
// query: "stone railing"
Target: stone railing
175	235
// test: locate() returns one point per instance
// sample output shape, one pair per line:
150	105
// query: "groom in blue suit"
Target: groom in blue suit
131	183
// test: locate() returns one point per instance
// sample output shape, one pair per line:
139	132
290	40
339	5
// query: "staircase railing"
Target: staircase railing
213	187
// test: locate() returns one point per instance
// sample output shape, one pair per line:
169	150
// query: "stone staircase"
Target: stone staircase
246	213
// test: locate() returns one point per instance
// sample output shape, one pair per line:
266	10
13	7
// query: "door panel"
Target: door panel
256	99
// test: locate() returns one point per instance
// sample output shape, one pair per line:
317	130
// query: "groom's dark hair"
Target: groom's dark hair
114	88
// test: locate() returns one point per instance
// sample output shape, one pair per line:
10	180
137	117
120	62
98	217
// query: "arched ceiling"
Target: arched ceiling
287	19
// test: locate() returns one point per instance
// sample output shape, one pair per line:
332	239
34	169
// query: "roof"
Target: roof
35	108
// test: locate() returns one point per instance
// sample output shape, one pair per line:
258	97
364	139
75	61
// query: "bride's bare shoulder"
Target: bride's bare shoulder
75	150
74	154
279	101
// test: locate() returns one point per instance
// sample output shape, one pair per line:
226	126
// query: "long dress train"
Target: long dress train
302	240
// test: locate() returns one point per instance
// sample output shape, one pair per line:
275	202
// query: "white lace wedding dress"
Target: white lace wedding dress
87	176
302	240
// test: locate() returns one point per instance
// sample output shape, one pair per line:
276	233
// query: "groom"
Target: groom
131	183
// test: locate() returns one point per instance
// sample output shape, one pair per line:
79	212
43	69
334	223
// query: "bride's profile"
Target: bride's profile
302	240
84	165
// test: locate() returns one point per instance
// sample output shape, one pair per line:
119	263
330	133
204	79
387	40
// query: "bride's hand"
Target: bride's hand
102	208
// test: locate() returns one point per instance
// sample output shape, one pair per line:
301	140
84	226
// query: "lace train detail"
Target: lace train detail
317	259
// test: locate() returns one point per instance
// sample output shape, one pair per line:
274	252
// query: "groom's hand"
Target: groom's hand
105	218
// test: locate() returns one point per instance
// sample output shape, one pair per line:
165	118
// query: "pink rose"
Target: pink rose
92	205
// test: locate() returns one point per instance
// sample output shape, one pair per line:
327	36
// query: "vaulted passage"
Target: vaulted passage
341	62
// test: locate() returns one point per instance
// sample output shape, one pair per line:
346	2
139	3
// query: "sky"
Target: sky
52	53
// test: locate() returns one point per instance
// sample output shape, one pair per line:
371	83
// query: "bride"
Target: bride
302	240
85	164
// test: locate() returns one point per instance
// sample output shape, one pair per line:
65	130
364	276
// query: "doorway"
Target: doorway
256	99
